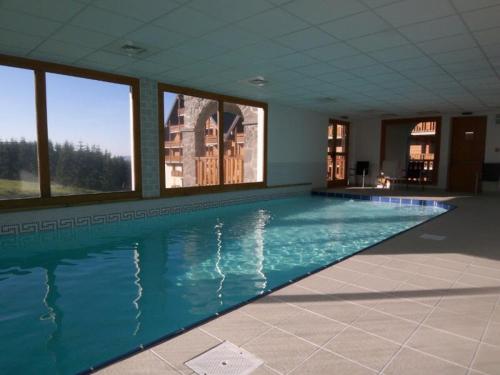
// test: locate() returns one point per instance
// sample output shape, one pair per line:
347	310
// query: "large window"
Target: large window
68	135
210	141
18	138
90	135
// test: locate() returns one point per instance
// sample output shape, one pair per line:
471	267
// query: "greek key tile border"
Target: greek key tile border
120	216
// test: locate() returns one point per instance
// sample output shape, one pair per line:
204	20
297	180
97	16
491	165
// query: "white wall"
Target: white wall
297	143
367	134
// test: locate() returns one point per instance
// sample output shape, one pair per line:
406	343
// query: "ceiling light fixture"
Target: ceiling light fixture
132	50
258	81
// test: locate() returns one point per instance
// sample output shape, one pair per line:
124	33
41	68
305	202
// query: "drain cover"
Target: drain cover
434	237
224	359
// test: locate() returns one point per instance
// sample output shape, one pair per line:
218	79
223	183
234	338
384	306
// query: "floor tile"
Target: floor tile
377	283
364	348
145	363
459	324
386	326
405	309
487	359
341	274
236	327
311	327
338	309
270	310
492	334
411	362
327	363
184	347
354	265
478	307
321	284
359	295
280	350
444	345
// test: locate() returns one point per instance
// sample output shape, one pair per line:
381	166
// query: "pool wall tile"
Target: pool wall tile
50	219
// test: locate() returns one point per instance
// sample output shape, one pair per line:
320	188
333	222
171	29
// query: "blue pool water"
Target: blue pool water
72	299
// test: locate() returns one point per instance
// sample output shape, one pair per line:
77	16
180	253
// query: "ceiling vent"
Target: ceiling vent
132	50
258	81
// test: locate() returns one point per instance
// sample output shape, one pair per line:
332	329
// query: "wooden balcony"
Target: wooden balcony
173	144
177	128
207	170
175	173
240	137
233	170
211	140
173	158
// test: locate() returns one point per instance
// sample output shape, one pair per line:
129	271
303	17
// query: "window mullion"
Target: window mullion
42	134
220	124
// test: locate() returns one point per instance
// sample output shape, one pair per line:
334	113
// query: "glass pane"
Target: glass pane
329	168
191	141
331	138
340	138
90	135
243	143
339	167
18	135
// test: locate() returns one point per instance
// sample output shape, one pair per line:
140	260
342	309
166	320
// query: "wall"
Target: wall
366	139
297	142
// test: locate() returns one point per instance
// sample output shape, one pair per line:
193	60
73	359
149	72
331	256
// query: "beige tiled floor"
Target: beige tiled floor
407	306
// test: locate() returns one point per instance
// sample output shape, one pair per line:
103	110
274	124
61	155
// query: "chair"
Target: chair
362	169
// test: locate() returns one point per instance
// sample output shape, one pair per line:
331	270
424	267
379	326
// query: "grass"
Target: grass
10	189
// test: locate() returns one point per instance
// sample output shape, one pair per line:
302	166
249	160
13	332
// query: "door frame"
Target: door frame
416	120
452	119
334	182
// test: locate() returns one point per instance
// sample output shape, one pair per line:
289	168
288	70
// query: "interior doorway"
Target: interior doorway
337	153
468	137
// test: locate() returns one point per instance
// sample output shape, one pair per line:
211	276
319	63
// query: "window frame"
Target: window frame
40	70
220	187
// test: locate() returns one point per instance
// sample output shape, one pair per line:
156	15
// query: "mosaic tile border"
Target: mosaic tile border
383	199
35	226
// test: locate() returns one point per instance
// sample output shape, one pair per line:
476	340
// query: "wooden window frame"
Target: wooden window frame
335	182
40	69
220	187
415	120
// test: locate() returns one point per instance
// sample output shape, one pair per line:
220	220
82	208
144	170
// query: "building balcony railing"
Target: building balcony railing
173	144
211	140
421	156
207	170
175	158
175	128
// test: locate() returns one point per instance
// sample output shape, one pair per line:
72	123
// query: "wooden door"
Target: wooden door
468	136
338	142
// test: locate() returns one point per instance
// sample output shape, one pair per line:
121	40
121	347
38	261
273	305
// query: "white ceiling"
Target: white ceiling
371	56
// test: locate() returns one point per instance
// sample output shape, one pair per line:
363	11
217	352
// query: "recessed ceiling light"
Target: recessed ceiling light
258	81
132	50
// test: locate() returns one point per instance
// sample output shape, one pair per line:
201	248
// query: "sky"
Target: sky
78	110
